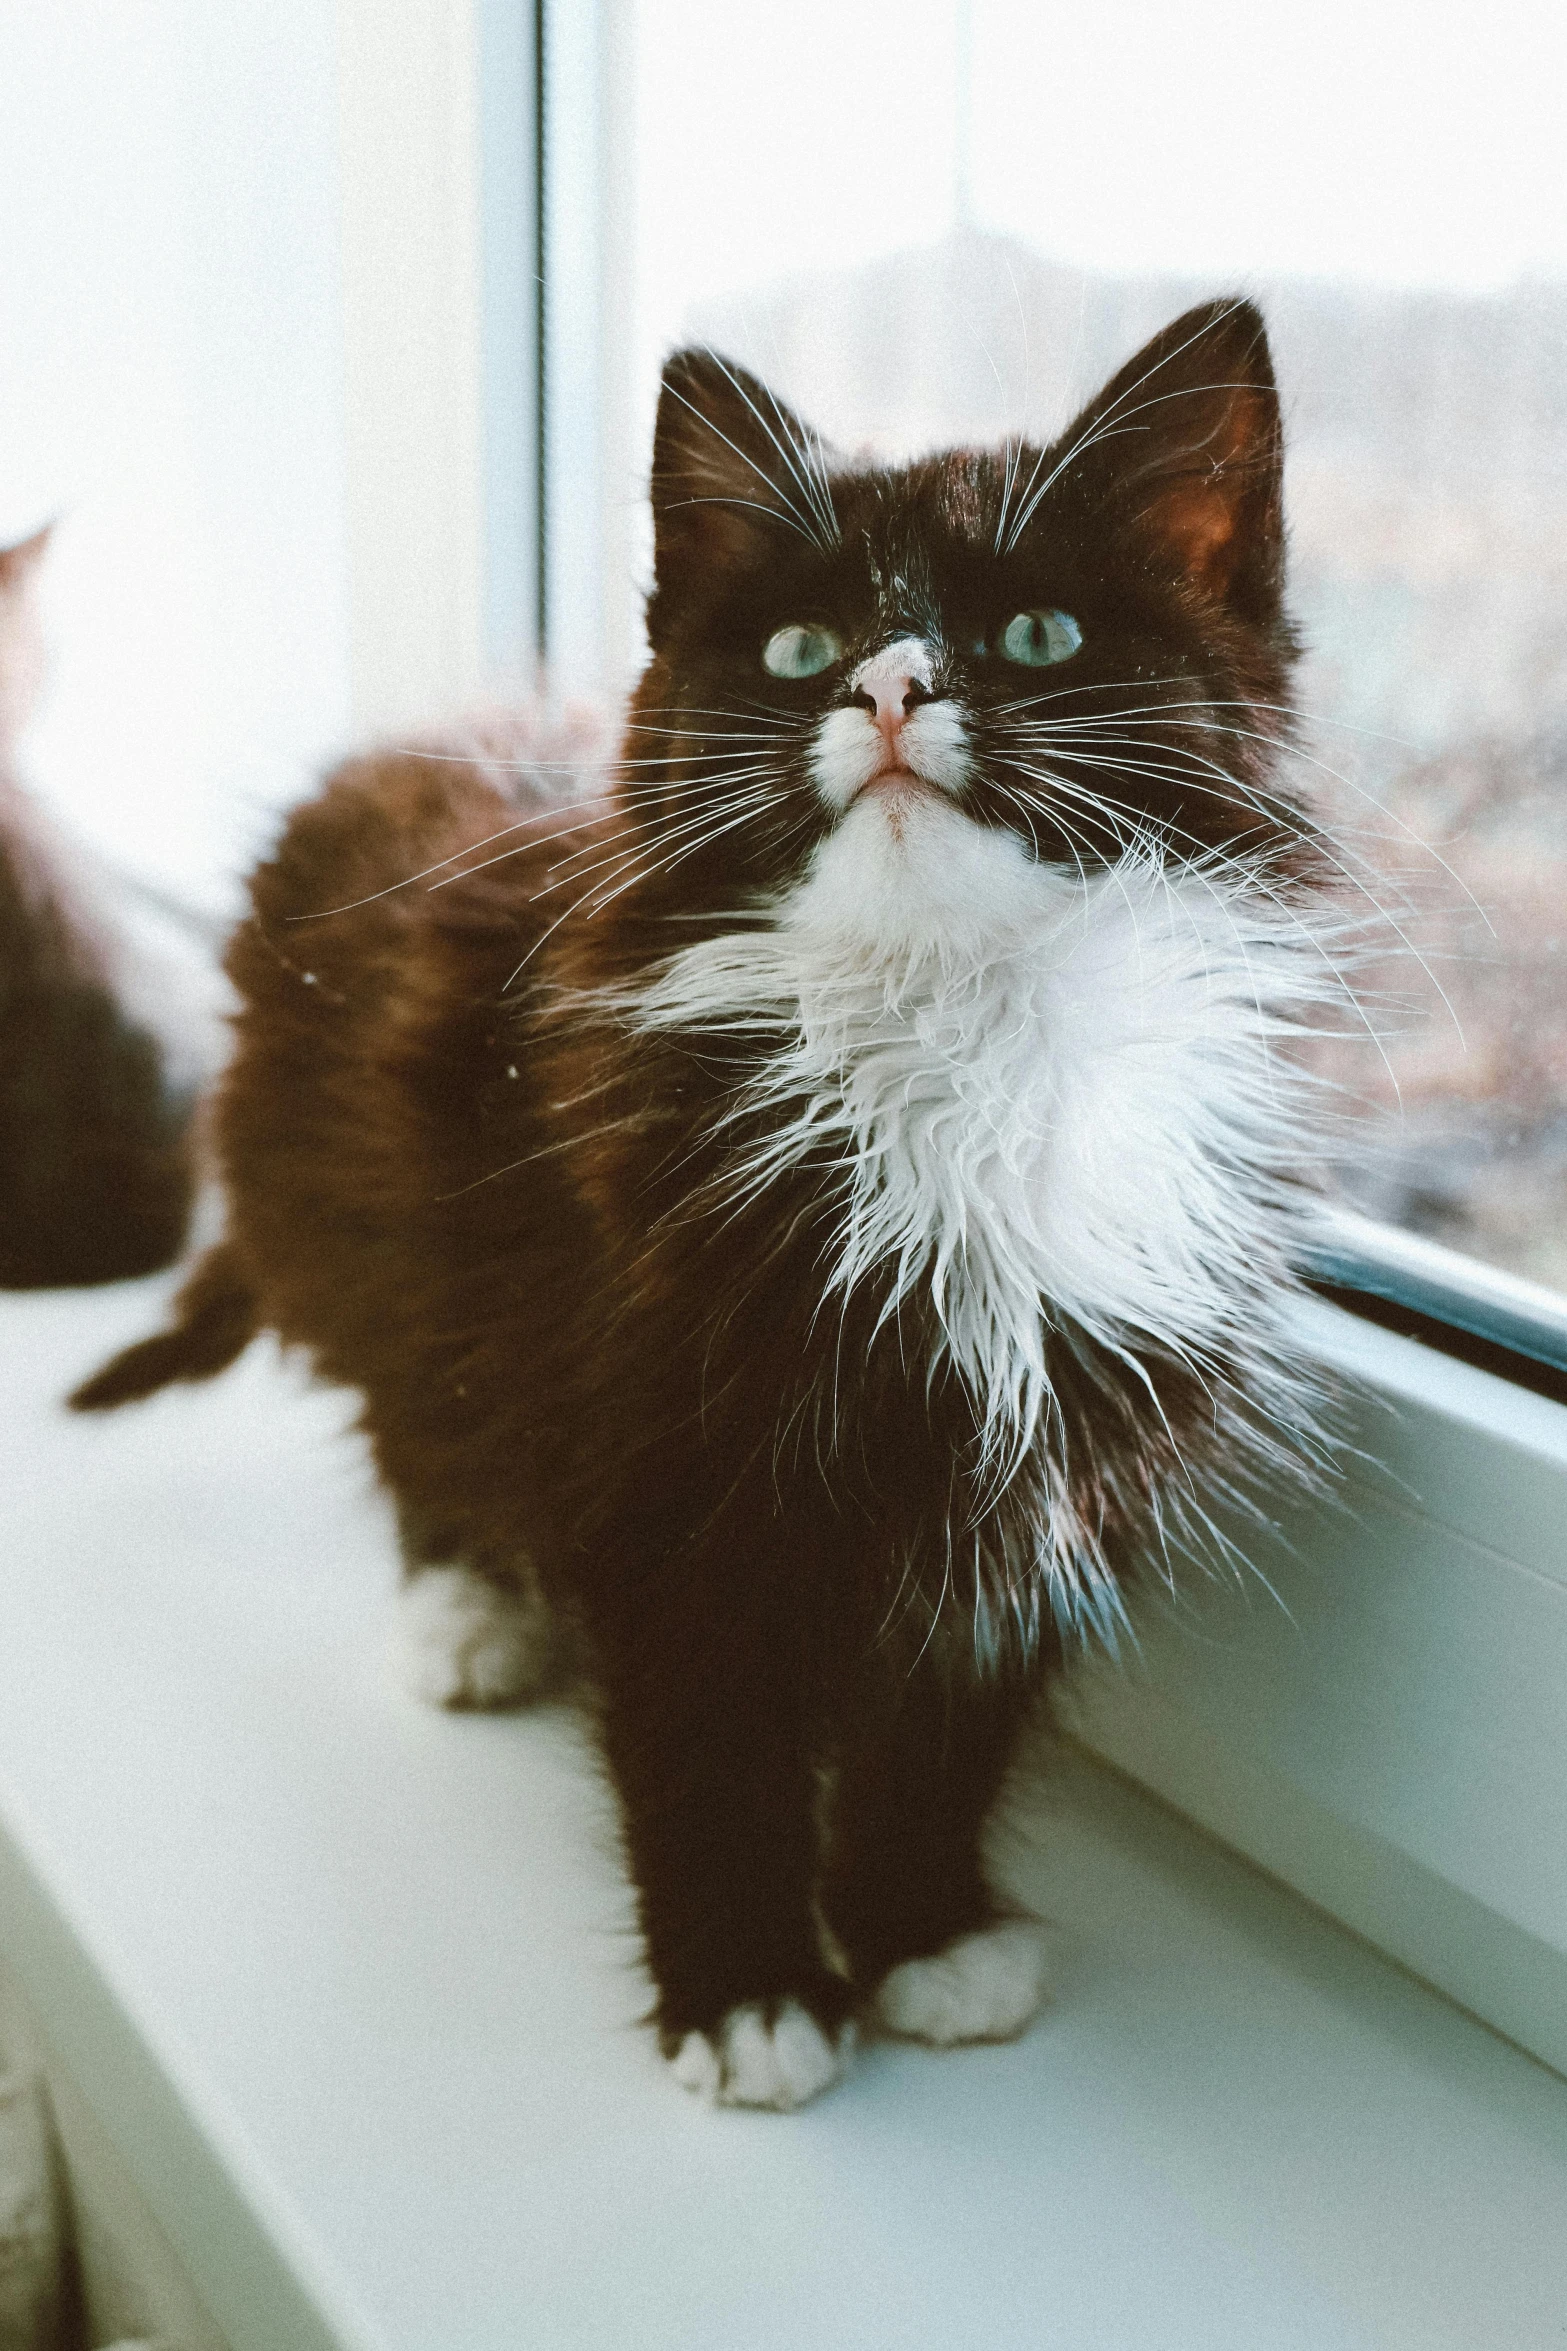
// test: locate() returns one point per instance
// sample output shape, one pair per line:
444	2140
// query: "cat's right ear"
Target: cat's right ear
734	471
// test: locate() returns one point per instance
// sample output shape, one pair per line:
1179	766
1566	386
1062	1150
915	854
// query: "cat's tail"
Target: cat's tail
216	1315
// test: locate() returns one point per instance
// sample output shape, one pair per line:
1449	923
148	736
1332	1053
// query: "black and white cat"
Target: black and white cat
815	1214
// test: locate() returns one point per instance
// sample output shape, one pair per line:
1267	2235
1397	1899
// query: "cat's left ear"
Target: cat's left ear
1190	438
735	472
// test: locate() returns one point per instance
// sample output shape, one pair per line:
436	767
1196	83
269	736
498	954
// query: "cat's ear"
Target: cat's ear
733	470
1188	439
18	562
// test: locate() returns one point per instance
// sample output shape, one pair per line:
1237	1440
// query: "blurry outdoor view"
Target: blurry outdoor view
1419	319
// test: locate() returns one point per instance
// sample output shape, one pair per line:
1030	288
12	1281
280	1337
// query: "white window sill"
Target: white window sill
348	1986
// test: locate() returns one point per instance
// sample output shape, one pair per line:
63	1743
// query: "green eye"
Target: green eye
1035	639
803	650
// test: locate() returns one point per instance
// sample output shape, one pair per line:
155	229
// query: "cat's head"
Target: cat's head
936	678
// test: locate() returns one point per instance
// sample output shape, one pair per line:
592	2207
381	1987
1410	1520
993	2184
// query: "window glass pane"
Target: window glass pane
950	221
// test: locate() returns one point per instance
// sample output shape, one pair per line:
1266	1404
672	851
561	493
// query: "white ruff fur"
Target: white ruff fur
1054	1101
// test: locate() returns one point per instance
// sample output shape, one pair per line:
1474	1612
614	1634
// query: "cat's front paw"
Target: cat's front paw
772	2055
987	1986
461	1640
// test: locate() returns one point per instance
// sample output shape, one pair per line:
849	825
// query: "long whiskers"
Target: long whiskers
1203	864
634	864
554	820
1050	736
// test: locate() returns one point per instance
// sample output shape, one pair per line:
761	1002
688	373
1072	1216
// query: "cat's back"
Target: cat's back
375	1080
414	872
406	846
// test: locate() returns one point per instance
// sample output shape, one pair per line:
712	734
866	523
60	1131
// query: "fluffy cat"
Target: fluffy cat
813	1215
95	1176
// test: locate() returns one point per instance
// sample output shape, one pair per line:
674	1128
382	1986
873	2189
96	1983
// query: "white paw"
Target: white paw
754	2063
459	1640
984	1987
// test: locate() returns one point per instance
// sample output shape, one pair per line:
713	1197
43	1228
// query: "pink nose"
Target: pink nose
889	697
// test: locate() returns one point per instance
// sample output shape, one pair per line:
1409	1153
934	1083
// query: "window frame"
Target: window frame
1373	1710
1458	1303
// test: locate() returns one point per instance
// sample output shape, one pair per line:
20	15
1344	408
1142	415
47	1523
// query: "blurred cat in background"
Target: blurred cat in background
95	1161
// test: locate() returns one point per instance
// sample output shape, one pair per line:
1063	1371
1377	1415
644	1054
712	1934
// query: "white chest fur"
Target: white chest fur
1046	1098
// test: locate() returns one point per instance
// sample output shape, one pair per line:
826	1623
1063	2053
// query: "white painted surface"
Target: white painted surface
171	384
412	294
265	273
597	446
349	1984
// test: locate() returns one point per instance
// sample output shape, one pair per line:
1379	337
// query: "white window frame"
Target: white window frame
1389	1740
1386	1728
486	391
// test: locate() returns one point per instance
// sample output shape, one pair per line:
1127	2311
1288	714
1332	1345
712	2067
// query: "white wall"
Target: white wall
170	386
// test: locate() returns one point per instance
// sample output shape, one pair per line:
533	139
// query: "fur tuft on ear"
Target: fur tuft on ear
1189	437
732	468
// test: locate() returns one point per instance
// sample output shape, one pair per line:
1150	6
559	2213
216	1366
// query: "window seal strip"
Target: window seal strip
1495	1320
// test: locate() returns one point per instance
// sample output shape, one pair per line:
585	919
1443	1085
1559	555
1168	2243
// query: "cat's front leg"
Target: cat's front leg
466	1640
706	1729
464	1636
935	1955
